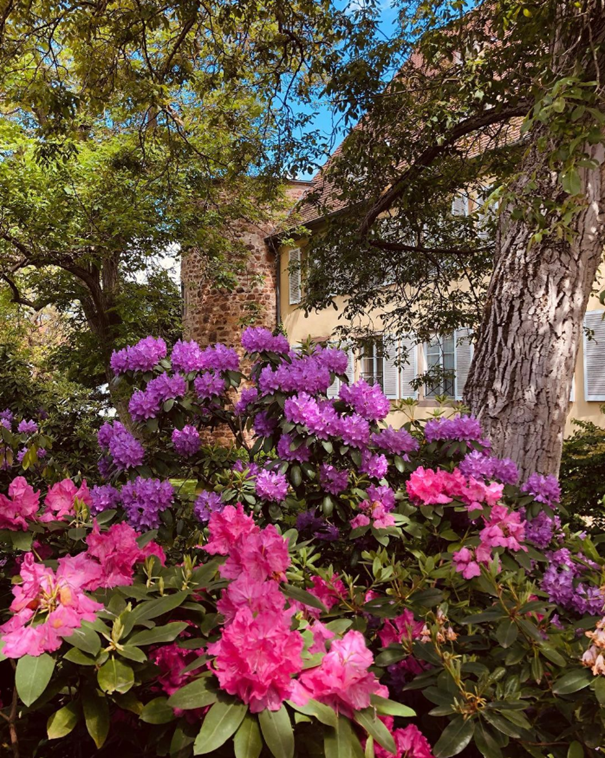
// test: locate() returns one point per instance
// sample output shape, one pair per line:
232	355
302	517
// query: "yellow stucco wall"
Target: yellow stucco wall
321	325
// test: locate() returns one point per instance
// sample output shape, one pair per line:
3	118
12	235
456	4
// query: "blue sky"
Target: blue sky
324	119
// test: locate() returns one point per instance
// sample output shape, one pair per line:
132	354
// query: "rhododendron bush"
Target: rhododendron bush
330	586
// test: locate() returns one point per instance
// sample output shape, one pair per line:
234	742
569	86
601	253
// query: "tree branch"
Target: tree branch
430	154
18	298
400	247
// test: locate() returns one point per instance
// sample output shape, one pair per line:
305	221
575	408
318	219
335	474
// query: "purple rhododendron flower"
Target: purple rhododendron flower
21	454
541	530
333	359
368	400
27	427
143	405
543	489
301	454
186	441
42	452
220	358
140	357
209	385
258	340
249	395
332	480
395	441
103	497
165	387
463	428
484	467
7	415
271	486
375	466
354	430
382	494
126	451
206	504
263	425
186	356
144	500
304	374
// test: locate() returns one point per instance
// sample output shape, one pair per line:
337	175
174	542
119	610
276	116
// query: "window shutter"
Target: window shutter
464	356
460	205
351	366
294	276
390	371
594	357
409	371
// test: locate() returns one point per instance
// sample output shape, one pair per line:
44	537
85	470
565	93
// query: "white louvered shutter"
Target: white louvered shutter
294	276
409	371
594	358
464	356
351	366
390	370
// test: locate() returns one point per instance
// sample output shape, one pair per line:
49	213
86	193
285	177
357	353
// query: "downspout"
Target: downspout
273	247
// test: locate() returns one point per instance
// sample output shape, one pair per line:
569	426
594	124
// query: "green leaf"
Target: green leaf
78	657
507	632
196	694
342	742
33	675
572	682
221	721
303	597
133	654
247	741
22	540
166	633
150	609
277	732
501	724
454	738
62	722
368	719
553	655
115	676
96	715
575	750
182	739
318	710
571	182
85	639
599	689
157	711
486	742
391	707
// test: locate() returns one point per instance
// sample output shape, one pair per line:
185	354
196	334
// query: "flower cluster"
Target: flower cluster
543	489
462	428
594	657
258	340
140	357
145	404
144	500
206	504
368	400
125	451
561	581
395	441
481	466
186	441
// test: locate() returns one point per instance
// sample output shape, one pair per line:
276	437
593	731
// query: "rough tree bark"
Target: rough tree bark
522	371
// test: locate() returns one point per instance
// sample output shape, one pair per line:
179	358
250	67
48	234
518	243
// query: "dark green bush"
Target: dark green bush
582	475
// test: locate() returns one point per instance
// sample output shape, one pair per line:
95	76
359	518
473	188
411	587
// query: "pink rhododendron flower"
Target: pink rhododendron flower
342	680
21	505
247	592
256	658
381	518
60	500
321	634
402	627
504	528
360	520
466	561
410	742
55	601
261	554
226	527
117	551
429	487
171	660
475	494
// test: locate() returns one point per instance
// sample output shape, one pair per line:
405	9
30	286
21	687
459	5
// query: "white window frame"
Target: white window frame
427	391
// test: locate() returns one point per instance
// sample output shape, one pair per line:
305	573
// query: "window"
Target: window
441	356
334	388
294	277
594	357
460	205
372	362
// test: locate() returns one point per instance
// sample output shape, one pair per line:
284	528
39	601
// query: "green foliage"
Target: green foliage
583	475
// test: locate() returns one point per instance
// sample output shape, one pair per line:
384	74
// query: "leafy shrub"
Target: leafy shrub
341	588
583	475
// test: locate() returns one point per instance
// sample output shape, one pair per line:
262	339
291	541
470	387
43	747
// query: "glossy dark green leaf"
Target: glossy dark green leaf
296	593
248	742
573	681
96	715
166	633
486	743
507	632
85	639
115	676
341	741
368	719
157	711
63	721
454	738
277	732
33	675
196	694
391	707
220	723
318	710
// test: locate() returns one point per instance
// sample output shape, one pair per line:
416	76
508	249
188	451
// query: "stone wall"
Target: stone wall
214	315
217	315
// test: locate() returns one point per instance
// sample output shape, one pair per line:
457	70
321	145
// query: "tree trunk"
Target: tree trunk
522	371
